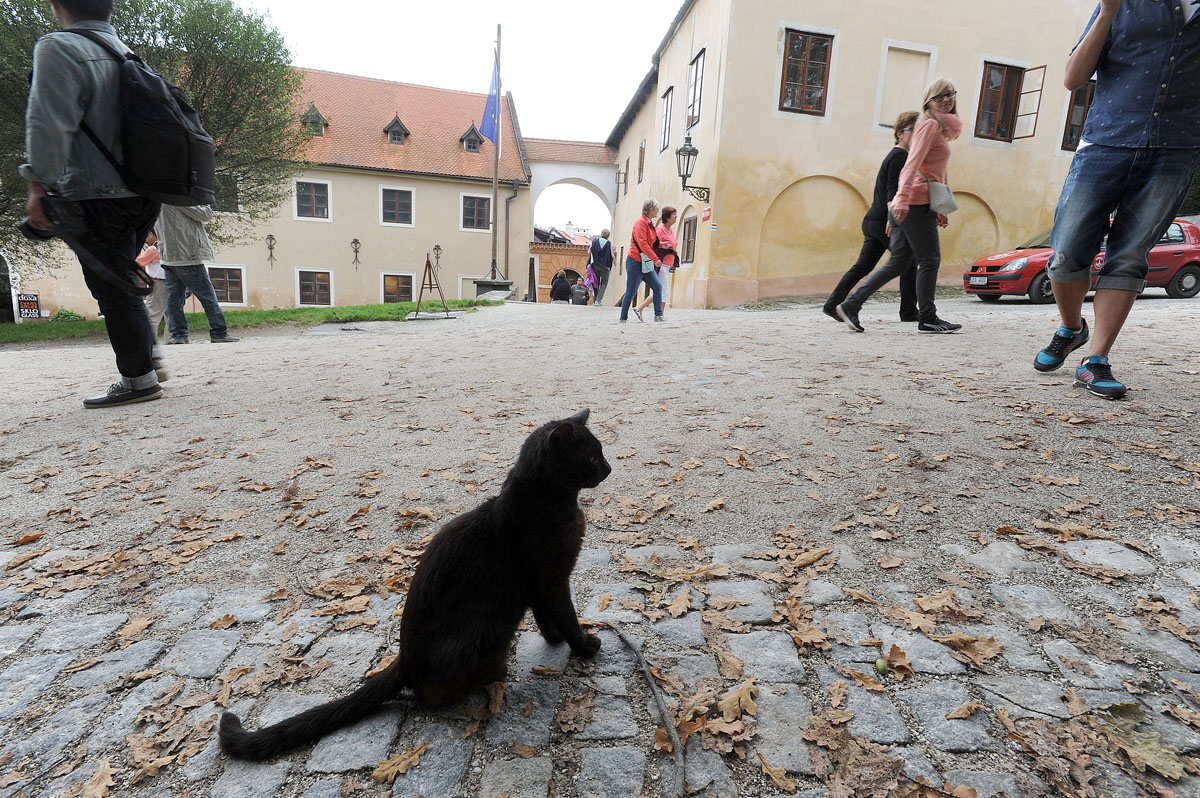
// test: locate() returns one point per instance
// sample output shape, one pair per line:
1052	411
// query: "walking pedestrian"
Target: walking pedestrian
75	86
156	302
667	244
643	241
600	258
580	295
915	212
184	246
876	235
560	289
1131	172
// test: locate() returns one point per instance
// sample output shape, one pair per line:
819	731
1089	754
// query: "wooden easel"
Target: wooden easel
429	280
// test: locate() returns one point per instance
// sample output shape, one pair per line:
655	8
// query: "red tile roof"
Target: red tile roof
358	109
568	151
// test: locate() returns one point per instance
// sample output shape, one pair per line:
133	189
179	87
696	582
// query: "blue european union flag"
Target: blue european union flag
491	112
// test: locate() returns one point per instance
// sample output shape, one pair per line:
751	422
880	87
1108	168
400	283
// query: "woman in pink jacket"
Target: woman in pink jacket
927	161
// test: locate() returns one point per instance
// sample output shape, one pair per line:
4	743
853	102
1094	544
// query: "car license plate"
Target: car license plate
978	281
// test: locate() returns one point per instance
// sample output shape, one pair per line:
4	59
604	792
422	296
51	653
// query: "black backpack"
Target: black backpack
169	156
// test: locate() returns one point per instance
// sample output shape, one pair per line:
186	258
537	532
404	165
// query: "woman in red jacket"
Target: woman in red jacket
641	250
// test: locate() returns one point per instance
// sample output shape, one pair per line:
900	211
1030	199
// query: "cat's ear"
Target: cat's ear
562	435
581	416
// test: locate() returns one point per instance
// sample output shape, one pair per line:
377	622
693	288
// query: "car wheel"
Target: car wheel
1186	283
989	297
1041	290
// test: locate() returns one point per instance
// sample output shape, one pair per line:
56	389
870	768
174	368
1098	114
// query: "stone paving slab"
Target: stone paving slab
1031	601
200	653
517	778
250	779
614	612
987	784
845	630
612	715
12	637
24	680
933	702
116	665
780	719
705	772
364	744
51	736
79	633
1017	652
611	772
1025	696
1110	554
927	656
760	602
534	652
525	718
443	765
687	631
771	656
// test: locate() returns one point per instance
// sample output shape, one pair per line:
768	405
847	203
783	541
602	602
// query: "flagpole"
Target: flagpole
496	157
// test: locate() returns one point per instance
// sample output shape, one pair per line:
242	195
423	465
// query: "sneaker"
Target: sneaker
177	341
851	319
638	313
831	312
225	339
1095	374
660	317
1062	344
938	326
120	395
160	368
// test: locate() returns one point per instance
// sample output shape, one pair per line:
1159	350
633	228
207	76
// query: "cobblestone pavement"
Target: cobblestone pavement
789	504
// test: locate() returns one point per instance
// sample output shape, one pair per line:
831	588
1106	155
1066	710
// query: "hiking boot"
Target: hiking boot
120	395
225	339
938	326
177	341
831	312
851	318
1095	374
1062	344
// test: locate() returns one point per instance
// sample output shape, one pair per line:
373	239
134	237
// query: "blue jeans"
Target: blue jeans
195	278
1140	188
633	278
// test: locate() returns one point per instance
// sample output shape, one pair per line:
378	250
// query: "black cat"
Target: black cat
470	591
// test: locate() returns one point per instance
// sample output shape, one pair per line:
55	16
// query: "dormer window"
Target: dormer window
313	122
397	133
472	140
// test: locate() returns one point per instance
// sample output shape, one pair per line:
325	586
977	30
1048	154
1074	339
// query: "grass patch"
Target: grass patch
239	319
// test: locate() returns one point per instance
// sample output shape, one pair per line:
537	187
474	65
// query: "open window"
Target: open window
1010	99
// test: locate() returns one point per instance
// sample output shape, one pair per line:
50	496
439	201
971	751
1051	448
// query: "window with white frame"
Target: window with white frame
805	83
397	287
396	206
664	137
695	90
228	284
476	212
314	287
312	200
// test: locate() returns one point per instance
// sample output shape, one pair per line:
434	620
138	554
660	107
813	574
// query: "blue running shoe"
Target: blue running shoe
1062	344
1095	374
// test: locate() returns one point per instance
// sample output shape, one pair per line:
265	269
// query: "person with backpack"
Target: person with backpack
600	258
75	192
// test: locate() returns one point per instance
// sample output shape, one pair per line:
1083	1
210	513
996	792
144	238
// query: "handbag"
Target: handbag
941	198
647	265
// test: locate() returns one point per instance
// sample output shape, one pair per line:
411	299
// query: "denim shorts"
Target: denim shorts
1139	189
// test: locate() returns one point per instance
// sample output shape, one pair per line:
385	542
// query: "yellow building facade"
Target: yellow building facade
791	105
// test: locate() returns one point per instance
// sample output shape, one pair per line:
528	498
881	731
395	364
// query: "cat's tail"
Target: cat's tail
308	726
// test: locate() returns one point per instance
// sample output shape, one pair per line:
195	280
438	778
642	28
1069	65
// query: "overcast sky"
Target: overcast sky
572	67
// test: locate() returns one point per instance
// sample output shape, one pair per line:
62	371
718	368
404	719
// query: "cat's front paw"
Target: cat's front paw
588	648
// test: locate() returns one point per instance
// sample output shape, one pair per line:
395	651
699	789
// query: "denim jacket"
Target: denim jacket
1148	78
74	80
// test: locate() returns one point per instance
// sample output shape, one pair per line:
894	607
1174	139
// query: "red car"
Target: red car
1174	265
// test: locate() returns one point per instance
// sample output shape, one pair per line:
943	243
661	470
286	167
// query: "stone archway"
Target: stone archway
589	165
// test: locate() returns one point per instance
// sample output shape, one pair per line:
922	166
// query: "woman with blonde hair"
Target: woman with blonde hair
912	209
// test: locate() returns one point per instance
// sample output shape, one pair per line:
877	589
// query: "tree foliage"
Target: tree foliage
234	67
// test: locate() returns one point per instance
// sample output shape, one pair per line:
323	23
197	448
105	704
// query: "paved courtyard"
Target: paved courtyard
789	504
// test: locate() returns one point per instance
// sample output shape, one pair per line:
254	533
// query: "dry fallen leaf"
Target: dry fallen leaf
97	786
399	763
739	701
890	562
715	504
21	541
682	603
965	711
837	693
224	622
778	776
